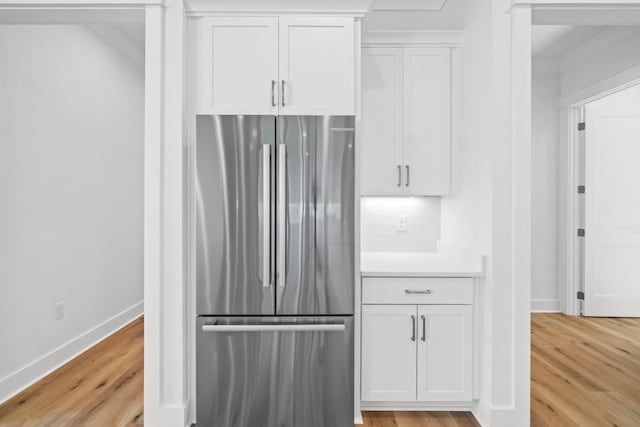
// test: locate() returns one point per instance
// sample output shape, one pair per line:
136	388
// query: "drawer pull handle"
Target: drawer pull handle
418	292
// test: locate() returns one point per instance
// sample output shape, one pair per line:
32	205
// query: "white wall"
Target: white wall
71	185
467	213
379	224
544	233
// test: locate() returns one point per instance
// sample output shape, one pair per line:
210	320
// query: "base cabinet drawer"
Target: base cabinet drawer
417	290
417	353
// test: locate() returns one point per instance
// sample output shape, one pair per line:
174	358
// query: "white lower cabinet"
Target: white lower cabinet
389	353
444	353
417	353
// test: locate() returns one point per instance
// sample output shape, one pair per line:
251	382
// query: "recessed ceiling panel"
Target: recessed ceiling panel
408	4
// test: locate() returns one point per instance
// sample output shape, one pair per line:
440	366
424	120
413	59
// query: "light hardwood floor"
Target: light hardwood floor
585	372
102	387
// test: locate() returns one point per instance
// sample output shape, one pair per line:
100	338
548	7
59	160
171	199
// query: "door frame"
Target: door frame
575	214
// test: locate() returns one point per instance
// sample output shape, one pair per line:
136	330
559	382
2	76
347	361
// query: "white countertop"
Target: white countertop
416	264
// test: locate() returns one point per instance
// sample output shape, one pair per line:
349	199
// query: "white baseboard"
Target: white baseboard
545	306
17	381
358	420
481	412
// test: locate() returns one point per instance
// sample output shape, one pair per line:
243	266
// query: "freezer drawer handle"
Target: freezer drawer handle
283	327
417	292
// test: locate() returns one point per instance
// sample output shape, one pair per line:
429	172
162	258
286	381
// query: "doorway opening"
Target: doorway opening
585	219
72	88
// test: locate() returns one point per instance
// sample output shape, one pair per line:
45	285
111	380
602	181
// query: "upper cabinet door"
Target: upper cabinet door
382	127
238	65
444	353
427	121
317	66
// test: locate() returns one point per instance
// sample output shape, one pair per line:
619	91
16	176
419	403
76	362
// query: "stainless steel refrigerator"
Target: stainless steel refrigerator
274	271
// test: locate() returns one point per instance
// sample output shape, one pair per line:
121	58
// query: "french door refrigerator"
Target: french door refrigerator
274	271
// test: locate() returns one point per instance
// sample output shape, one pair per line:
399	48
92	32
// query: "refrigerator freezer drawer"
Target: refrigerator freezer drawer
274	372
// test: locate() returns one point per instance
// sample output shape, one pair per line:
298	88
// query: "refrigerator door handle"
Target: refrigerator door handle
266	220
280	327
282	215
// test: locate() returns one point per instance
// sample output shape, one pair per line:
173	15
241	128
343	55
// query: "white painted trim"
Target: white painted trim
357	315
79	3
417	406
545	306
34	371
572	3
153	141
441	38
587	13
572	306
355	8
521	217
481	412
358	420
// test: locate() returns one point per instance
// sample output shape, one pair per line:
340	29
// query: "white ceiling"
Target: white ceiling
553	41
134	32
399	15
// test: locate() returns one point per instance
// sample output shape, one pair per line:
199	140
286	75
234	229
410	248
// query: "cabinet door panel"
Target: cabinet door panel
382	122
427	121
317	64
237	63
444	353
388	353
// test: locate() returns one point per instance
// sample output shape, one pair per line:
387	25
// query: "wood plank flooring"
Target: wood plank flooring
585	372
101	387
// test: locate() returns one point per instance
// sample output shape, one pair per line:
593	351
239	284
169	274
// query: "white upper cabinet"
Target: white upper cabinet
238	65
276	65
406	121
427	121
317	66
382	129
444	353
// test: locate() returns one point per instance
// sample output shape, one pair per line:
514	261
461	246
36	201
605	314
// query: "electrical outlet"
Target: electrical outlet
402	223
58	310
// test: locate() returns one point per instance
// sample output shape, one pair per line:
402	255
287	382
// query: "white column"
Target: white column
165	381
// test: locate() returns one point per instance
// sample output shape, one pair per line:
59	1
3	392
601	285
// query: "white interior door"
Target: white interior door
389	334
612	205
382	127
317	65
238	65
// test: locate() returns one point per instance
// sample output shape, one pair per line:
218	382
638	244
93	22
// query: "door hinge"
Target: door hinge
580	232
582	126
580	189
581	295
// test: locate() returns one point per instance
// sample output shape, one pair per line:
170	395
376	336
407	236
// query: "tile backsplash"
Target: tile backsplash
381	218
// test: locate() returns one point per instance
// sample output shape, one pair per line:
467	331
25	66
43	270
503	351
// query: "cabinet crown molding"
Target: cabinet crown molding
444	38
356	8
